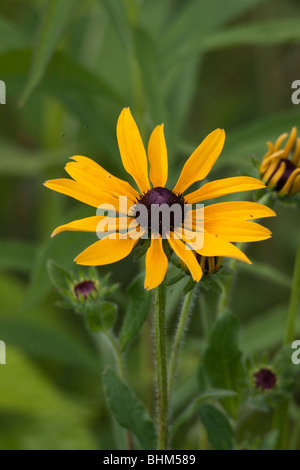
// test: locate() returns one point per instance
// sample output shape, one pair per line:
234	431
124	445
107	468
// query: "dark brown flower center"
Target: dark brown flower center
265	379
288	170
84	288
160	210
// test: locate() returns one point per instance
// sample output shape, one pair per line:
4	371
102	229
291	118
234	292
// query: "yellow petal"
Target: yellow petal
201	161
296	185
132	150
277	174
106	251
157	155
242	210
296	155
77	191
187	256
217	246
90	224
86	171
156	264
291	140
88	196
222	187
280	140
234	230
290	181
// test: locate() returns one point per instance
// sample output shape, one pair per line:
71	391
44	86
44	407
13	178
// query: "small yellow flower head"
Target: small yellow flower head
280	167
209	264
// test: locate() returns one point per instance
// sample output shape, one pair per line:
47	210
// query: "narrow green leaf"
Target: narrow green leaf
54	20
137	312
148	58
258	33
117	13
128	411
192	408
219	431
222	358
59	276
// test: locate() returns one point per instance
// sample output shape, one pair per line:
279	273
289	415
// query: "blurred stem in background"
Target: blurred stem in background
179	338
281	415
228	284
161	367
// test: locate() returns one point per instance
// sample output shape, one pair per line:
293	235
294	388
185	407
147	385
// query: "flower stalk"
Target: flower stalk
179	338
161	368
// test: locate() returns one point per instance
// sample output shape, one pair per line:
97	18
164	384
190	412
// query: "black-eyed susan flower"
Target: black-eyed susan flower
280	167
221	224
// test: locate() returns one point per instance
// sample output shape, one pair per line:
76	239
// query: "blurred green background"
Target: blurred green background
70	67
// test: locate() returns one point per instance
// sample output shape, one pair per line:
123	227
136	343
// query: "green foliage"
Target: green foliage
128	410
137	311
222	358
194	65
219	431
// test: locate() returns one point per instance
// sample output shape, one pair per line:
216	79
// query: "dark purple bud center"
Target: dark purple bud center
164	210
84	288
265	379
289	169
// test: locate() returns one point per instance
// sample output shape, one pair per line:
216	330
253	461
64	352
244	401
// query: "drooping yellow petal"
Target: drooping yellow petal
88	196
234	230
91	224
106	251
291	140
157	155
277	174
217	246
156	264
290	181
296	185
132	150
242	210
201	161
86	171
222	187
187	256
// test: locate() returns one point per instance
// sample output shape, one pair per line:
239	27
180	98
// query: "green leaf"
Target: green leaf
137	312
258	33
267	272
117	14
148	58
100	316
201	18
54	20
222	358
193	407
219	431
59	276
128	411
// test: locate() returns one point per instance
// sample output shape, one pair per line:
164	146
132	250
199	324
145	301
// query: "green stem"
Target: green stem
161	369
282	411
178	340
113	344
294	301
